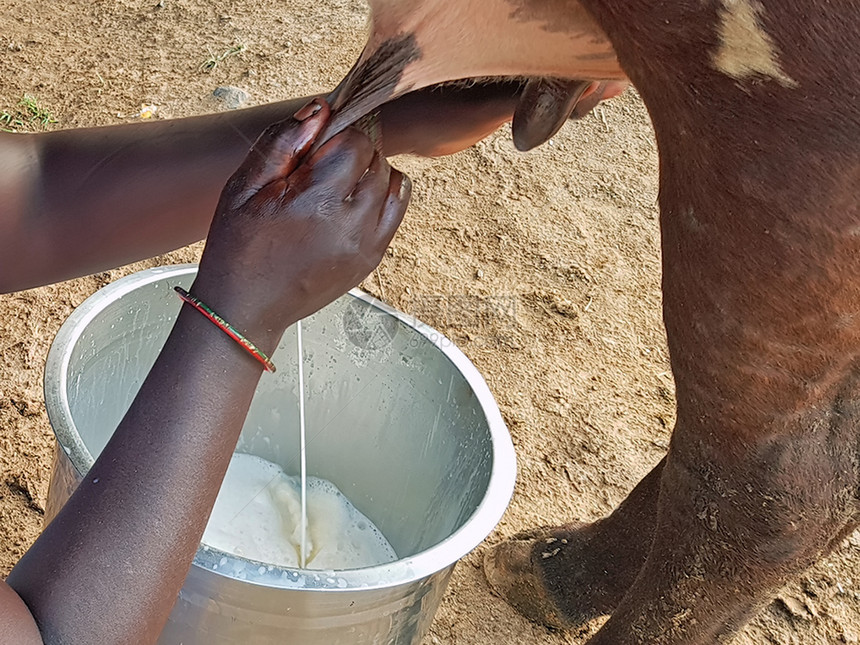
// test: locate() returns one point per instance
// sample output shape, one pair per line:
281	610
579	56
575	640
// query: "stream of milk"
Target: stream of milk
300	353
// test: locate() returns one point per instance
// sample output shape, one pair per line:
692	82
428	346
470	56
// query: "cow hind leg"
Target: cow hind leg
703	542
732	529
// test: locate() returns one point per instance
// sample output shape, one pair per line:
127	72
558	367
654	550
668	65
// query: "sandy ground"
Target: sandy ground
557	250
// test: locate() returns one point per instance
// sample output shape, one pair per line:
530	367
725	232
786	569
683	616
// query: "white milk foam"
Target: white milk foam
258	516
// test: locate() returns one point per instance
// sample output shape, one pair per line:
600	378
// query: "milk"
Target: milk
303	450
258	516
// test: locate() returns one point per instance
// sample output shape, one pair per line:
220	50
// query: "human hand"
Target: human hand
294	230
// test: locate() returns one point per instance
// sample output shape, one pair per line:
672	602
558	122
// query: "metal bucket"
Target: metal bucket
397	417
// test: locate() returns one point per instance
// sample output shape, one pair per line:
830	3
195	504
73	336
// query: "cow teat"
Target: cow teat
545	105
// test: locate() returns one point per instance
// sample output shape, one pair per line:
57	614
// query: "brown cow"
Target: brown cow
756	112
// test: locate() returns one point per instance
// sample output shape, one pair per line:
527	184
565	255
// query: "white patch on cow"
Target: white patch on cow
746	50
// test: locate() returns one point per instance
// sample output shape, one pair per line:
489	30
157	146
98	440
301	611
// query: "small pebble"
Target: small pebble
231	97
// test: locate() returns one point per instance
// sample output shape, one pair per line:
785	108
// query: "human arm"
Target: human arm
286	239
78	201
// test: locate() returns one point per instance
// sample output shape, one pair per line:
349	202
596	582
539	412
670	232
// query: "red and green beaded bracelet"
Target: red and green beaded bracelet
227	328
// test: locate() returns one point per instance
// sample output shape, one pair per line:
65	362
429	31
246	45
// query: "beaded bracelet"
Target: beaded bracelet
227	328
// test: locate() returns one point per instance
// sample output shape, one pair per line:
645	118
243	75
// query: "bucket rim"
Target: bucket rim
438	557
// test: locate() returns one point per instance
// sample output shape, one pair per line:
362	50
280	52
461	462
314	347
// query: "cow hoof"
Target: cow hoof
513	575
560	577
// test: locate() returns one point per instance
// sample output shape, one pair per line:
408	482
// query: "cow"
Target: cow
755	108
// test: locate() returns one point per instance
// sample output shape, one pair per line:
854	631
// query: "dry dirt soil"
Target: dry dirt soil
556	251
